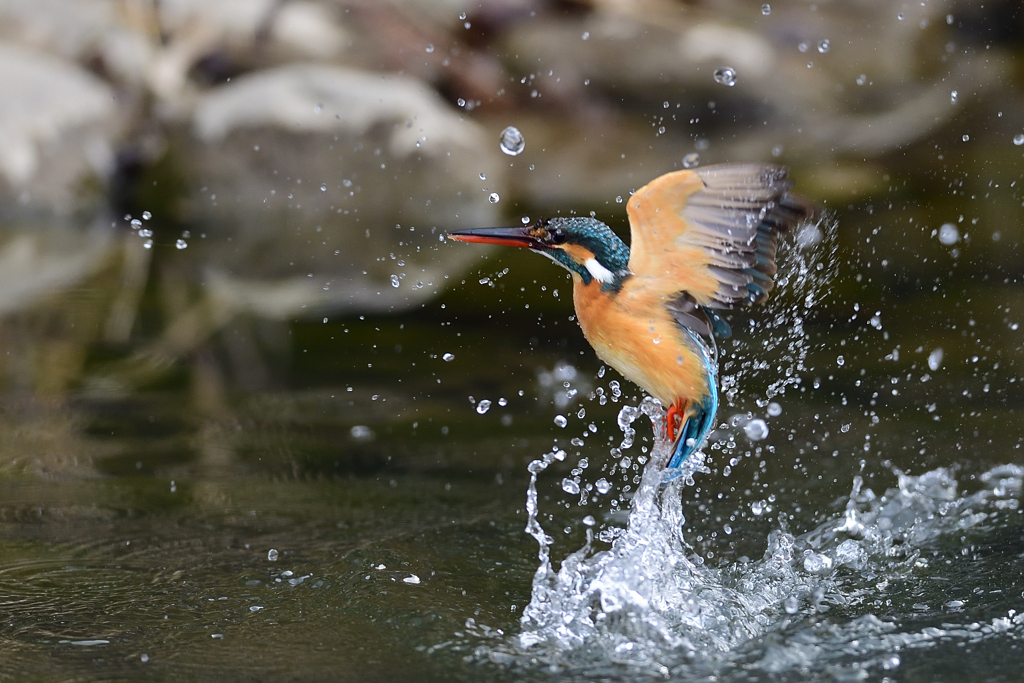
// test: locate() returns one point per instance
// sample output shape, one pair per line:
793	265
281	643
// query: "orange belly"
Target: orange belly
634	333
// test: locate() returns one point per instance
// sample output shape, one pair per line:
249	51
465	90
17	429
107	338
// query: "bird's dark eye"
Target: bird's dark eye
556	236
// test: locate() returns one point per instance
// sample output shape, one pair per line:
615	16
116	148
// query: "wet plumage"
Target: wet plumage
701	241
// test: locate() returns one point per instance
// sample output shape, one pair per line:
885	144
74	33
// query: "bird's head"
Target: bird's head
584	246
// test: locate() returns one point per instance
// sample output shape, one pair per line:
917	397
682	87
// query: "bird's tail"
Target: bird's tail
700	417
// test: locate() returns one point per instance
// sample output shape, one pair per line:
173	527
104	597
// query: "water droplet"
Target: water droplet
966	137
900	16
602	486
493	198
824	45
774	409
448	357
570	486
725	75
815	563
589	520
935	359
691	160
148	244
483	176
561	421
146	215
502	402
1018	139
181	244
323	187
483	406
862	79
394	280
136	224
791	604
512	141
412	578
948	234
952	97
145	232
272	555
756	429
586	35
430	47
766	9
618	199
840	361
461	102
757	507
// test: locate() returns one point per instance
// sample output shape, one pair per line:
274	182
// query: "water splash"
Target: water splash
650	606
807	265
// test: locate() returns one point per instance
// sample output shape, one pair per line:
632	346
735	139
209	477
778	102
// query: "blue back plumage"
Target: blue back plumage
699	424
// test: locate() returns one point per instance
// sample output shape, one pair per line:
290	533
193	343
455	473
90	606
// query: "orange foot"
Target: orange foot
674	420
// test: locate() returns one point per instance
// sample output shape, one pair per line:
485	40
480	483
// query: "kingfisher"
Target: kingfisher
701	241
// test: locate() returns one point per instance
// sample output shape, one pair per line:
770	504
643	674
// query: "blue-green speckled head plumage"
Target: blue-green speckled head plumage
591	234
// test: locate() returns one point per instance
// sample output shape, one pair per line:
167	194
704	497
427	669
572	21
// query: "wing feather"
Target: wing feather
708	237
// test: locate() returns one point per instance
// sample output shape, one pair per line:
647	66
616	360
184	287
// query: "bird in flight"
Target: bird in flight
701	241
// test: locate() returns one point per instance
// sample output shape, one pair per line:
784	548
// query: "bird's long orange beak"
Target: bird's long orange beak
509	237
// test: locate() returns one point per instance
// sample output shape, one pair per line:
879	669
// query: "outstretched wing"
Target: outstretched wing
709	237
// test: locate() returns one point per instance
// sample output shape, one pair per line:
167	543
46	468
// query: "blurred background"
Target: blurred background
230	324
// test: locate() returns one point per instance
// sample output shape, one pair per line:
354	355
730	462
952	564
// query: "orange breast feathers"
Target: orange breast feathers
634	333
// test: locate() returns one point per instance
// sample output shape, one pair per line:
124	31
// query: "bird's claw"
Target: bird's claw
674	420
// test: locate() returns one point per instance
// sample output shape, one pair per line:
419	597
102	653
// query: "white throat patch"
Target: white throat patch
599	272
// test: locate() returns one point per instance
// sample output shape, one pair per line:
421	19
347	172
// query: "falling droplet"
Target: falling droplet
966	137
862	79
824	45
935	359
756	430
792	605
394	280
412	578
774	409
512	141
146	215
148	244
602	486
840	361
1018	139
448	357
430	48
691	160
181	244
766	9
948	234
725	75
483	406
561	421
570	486
493	198
953	97
272	555
136	224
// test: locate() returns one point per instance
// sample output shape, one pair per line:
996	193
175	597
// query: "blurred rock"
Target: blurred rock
322	189
58	129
